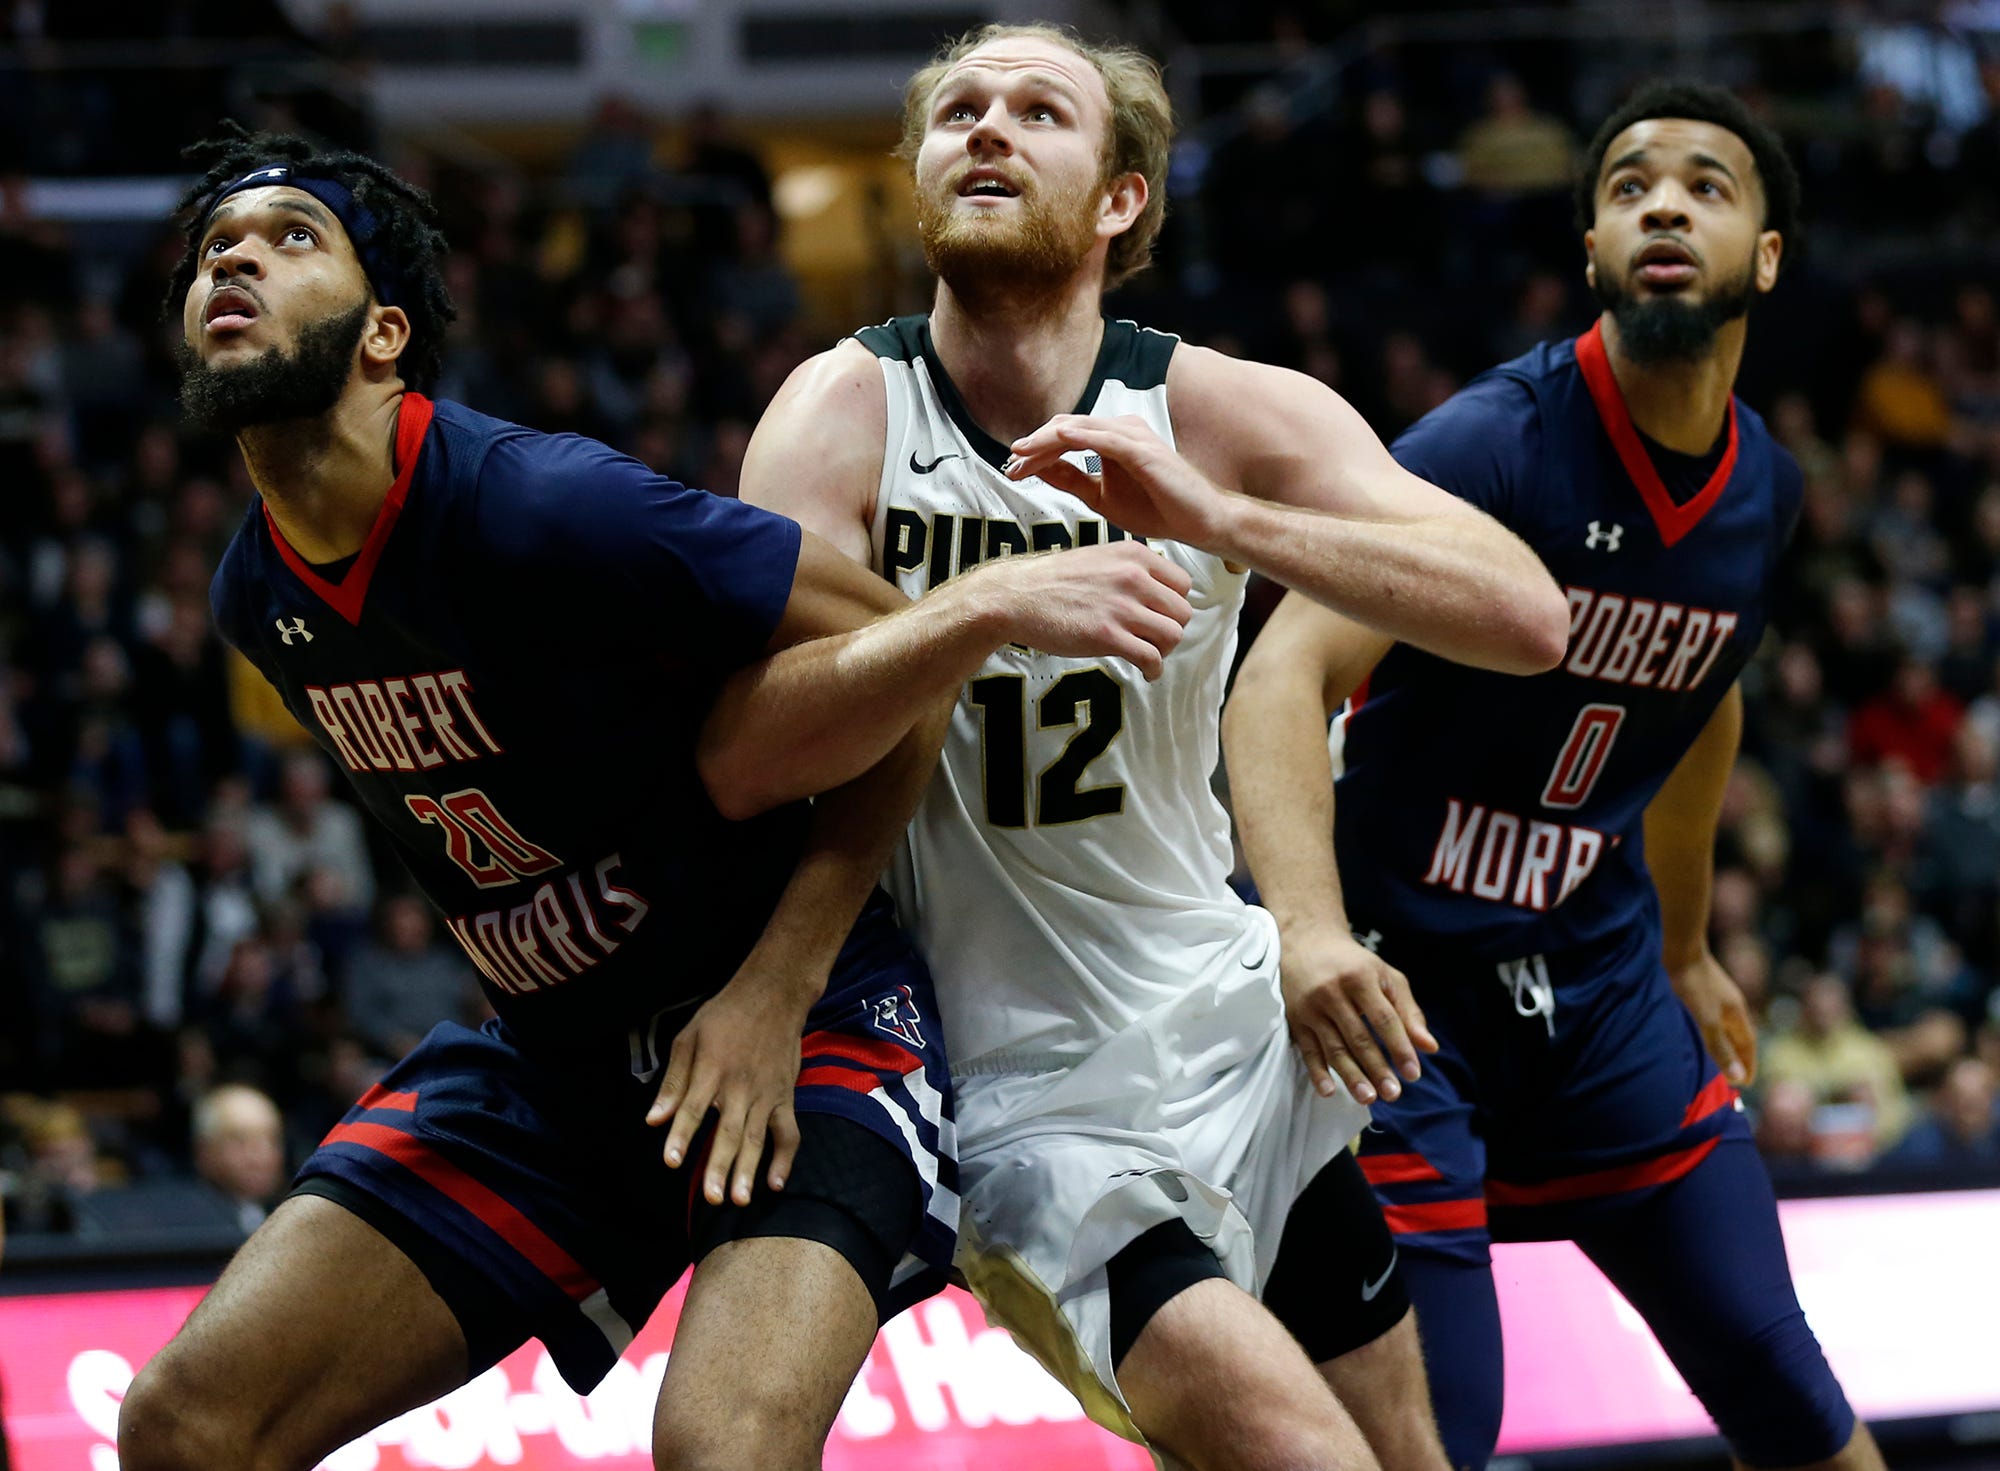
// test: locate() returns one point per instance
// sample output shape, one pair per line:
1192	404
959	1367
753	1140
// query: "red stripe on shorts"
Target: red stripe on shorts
883	1056
840	1077
1717	1096
1615	1181
1435	1215
1397	1169
504	1219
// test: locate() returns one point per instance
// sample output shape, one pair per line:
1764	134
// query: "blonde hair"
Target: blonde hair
1137	140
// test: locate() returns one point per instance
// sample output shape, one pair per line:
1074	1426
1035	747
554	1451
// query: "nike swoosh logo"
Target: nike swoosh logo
923	469
1369	1289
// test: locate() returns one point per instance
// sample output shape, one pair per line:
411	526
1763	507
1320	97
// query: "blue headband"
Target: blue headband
355	217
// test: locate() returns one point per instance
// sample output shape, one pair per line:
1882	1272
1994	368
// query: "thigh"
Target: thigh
770	1338
1425	1157
319	1330
1215	1380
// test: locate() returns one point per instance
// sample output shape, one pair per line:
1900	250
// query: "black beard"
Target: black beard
273	387
1666	329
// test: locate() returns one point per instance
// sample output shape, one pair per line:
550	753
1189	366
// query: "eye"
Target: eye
1041	112
1708	184
958	111
219	243
301	232
1625	188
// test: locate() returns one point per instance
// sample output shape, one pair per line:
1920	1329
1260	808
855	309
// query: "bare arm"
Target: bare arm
1303	666
856	664
1680	852
1288	479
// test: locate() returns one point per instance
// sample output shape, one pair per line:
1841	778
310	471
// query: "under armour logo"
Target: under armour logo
298	627
1607	539
1371	942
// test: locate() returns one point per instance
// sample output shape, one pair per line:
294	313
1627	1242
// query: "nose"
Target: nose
238	260
1666	207
990	134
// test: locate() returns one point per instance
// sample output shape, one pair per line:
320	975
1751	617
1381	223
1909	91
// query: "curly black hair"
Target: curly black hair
1701	102
410	244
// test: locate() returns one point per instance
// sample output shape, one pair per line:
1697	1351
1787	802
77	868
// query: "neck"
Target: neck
1682	405
1020	360
324	480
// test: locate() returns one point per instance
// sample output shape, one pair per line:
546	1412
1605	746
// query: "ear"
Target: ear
385	337
1770	254
1590	258
1124	201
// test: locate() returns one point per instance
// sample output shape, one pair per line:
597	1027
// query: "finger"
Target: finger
1155	628
673	1082
1716	1036
1361	1043
749	1153
1323	1082
688	1118
784	1144
1743	1042
1405	1002
1171	575
1064	476
1349	1071
1400	1059
722	1151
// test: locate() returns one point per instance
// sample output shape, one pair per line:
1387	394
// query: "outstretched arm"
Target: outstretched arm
856	664
1680	851
1275	471
1303	666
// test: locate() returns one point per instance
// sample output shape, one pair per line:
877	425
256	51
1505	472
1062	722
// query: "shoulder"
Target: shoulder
1494	419
817	452
1231	405
843	383
229	591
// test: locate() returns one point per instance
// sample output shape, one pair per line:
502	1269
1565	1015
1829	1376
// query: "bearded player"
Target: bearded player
1536	855
1135	1129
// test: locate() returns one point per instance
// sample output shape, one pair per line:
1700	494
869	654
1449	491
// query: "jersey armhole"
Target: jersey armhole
896	422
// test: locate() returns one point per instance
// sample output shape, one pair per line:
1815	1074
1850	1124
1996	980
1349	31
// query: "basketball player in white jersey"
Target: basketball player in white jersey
1134	1128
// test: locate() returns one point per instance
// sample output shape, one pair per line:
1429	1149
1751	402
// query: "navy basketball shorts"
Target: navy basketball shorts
533	1195
1572	1099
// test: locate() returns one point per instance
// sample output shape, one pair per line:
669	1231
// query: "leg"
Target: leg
319	1331
784	1304
1216	1381
1336	1287
1704	1263
1458	1320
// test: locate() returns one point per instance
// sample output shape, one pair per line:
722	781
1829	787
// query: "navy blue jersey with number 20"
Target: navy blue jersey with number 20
1502	816
513	673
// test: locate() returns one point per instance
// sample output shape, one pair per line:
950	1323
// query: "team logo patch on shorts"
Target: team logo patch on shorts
897	1015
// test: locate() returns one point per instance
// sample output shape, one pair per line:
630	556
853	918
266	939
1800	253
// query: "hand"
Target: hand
1144	487
1119	599
1335	989
1717	1004
740	1056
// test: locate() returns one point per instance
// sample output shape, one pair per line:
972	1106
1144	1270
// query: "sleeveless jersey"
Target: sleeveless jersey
513	673
1502	817
1066	870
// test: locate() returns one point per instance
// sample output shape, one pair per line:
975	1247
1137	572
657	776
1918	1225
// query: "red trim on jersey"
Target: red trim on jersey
1435	1215
840	1077
1674	521
1397	1169
1717	1096
1360	696
379	1097
884	1057
503	1218
413	421
1661	1171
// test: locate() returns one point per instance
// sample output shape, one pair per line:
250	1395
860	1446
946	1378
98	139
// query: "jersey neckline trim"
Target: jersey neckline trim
413	422
1115	345
1674	521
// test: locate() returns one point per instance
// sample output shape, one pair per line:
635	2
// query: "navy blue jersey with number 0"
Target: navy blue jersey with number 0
1502	816
513	672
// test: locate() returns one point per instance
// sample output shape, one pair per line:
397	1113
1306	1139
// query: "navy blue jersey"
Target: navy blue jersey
1503	816
514	672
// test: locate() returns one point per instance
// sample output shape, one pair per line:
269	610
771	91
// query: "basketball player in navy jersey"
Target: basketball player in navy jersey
1535	856
510	641
1156	1202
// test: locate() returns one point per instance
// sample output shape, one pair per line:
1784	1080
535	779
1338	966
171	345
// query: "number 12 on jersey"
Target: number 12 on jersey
1089	696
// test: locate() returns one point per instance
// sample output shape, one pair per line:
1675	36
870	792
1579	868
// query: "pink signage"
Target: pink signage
1897	1287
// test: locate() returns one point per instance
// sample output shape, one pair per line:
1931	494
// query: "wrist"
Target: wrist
983	609
1232	528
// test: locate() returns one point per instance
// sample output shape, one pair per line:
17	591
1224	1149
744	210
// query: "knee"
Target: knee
1774	1397
755	1437
167	1424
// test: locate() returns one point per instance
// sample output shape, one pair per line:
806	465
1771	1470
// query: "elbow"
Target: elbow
731	781
1544	635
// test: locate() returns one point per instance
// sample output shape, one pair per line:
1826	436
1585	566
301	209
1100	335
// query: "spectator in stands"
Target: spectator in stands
400	987
239	1149
1829	1052
1962	1126
1901	398
1785	1129
1514	149
1913	721
306	829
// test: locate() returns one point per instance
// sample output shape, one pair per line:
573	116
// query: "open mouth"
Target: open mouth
230	308
1665	263
986	183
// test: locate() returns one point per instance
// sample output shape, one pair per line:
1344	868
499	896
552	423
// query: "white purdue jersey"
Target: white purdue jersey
1066	872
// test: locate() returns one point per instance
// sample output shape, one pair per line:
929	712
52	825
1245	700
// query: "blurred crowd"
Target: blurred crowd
205	952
